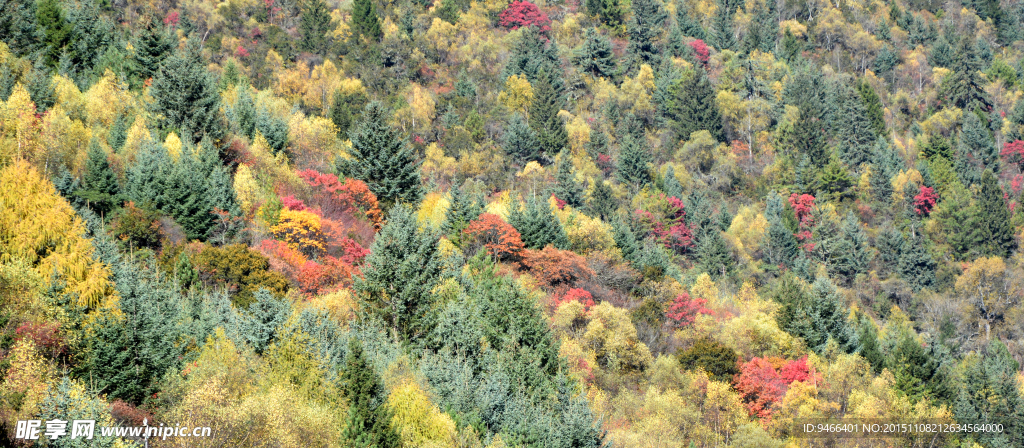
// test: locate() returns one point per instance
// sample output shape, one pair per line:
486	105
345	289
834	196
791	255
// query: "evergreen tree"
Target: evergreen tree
146	179
18	26
852	250
1016	119
99	184
535	56
634	163
713	255
566	187
57	32
915	265
687	24
401	270
521	141
990	230
196	186
989	394
152	47
723	36
780	246
763	30
942	53
602	203
854	131
889	244
885	61
462	209
544	119
977	140
272	128
806	91
913	368
609	12
382	159
186	96
538	225
873	106
595	55
885	163
626	241
369	418
693	107
315	23
119	132
698	213
867	335
817	316
671	185
449	11
260	322
963	87
643	29
40	88
937	146
365	21
244	112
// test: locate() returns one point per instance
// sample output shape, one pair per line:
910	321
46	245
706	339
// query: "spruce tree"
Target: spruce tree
780	245
343	107
1016	119
963	87
643	29
595	55
671	185
942	53
544	119
538	225
462	209
722	34
40	88
315	23
914	370
152	47
119	132
365	21
806	91
186	100
521	141
873	106
272	128
402	269
146	179
886	163
890	245
634	163
854	131
566	187
602	203
915	265
975	137
382	159
57	32
713	255
852	256
693	106
369	418
18	26
99	186
828	312
867	335
991	233
687	24
244	112
626	240
260	322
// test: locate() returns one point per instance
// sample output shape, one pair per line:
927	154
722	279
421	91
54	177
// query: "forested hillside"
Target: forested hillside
630	223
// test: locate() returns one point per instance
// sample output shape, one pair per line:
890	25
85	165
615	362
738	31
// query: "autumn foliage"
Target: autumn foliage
524	13
684	310
763	382
924	202
1013	153
555	268
499	237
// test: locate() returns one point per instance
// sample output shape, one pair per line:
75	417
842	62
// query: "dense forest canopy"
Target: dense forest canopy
565	223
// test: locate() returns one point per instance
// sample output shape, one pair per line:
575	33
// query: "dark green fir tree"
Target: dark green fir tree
462	209
595	55
99	188
538	225
369	418
602	201
383	159
544	119
873	106
186	99
566	187
990	229
693	107
963	87
315	24
644	28
365	21
521	142
855	133
634	163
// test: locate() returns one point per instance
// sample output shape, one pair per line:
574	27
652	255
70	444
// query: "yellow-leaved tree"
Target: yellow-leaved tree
40	227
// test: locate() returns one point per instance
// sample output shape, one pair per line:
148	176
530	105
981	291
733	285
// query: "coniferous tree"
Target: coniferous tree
693	106
626	241
722	34
260	321
963	88
990	230
40	88
806	91
852	249
462	209
977	141
401	270
382	159
99	186
913	368
942	53
867	335
315	23
988	394
713	255
602	203
633	164
152	47
873	106
609	12
566	187
889	244
644	28
780	246
1016	119
343	107
119	132
57	31
365	21
544	119
817	316
885	163
687	24
854	132
272	128
186	98
521	141
595	55
671	185
369	418
538	225
18	25
244	112
915	265
535	56
763	30
146	179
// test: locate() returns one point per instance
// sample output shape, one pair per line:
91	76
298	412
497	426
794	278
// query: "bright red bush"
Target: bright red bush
762	382
684	310
576	295
700	49
1013	152
924	202
524	13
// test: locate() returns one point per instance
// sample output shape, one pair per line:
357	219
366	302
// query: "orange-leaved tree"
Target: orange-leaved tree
499	237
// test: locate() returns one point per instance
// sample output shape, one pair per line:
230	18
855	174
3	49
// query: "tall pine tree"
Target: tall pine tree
521	142
365	21
538	225
693	106
634	163
315	23
544	119
990	230
186	100
644	28
99	188
369	418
